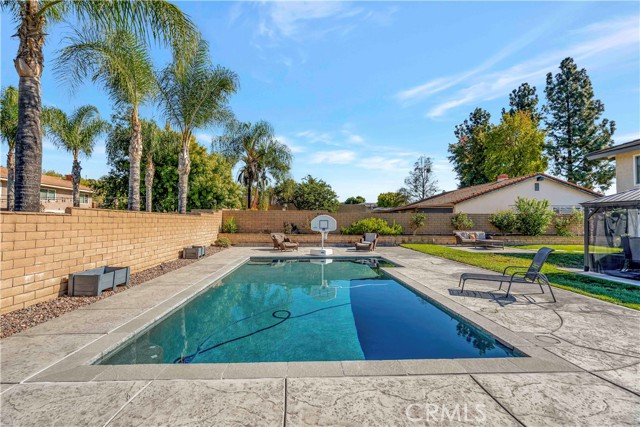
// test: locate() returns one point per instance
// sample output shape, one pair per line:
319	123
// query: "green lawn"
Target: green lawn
573	248
617	293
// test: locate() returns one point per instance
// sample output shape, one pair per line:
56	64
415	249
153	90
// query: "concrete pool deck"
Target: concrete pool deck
583	369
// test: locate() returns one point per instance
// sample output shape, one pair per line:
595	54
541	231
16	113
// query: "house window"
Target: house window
536	186
636	166
84	199
47	194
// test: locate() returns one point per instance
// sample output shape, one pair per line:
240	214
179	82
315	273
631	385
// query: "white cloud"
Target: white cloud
621	139
337	157
295	148
601	42
385	164
300	20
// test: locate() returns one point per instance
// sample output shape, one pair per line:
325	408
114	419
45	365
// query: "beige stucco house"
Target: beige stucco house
56	194
627	157
496	196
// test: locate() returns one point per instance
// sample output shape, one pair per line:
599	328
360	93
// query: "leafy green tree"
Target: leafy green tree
392	199
76	134
421	183
284	190
9	132
372	225
468	153
194	95
572	116
315	194
211	184
417	221
514	147
260	153
121	63
156	20
524	98
354	200
461	221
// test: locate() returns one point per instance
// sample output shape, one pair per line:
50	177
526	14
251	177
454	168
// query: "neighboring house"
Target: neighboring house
56	194
627	157
496	196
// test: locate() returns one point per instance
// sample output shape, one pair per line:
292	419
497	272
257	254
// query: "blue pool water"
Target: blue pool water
301	310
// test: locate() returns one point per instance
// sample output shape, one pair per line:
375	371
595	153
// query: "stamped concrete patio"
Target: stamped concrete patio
583	369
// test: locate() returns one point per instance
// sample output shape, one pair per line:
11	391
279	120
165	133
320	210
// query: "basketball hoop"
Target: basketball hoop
323	224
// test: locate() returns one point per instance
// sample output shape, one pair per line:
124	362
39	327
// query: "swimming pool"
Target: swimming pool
308	310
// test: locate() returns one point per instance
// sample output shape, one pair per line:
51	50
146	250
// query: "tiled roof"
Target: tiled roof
450	198
49	181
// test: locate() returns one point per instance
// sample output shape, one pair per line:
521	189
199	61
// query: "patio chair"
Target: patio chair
283	243
528	275
368	242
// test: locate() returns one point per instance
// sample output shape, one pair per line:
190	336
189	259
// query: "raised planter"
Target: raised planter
194	252
93	282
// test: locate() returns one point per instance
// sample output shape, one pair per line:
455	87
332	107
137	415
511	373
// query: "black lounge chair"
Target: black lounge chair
529	275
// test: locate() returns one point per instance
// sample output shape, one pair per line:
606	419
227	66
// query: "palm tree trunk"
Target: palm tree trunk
184	167
249	187
28	63
148	182
135	154
11	171
75	179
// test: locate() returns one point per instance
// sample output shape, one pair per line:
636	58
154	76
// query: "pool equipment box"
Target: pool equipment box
323	224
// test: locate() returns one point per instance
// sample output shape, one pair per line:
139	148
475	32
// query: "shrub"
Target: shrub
505	221
532	216
230	226
372	225
461	221
223	242
417	221
562	224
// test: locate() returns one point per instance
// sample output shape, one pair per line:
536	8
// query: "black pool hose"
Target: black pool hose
287	316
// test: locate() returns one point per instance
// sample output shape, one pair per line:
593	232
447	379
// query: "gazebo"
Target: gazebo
612	234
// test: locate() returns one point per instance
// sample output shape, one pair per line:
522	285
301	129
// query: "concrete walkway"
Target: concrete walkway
584	369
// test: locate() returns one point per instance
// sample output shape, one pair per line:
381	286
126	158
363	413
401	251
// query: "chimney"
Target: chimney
502	177
70	177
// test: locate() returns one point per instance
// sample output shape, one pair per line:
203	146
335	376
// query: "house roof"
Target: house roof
610	152
50	182
623	199
450	198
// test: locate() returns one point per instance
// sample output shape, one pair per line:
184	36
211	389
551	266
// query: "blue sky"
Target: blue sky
360	90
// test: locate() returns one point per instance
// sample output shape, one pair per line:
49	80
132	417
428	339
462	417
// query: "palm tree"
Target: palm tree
122	64
153	140
156	20
194	95
76	134
261	154
8	132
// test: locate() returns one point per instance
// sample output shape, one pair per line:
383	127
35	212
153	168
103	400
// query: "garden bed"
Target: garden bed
28	317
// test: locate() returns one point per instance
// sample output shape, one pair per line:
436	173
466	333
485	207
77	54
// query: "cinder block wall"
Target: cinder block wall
273	221
40	250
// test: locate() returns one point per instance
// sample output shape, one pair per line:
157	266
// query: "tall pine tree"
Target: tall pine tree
468	153
573	130
524	98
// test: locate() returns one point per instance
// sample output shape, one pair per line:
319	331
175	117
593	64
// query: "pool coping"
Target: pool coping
78	367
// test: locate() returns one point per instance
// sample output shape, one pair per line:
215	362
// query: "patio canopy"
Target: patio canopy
629	198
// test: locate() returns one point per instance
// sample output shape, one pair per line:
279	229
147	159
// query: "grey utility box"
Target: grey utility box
194	252
93	282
